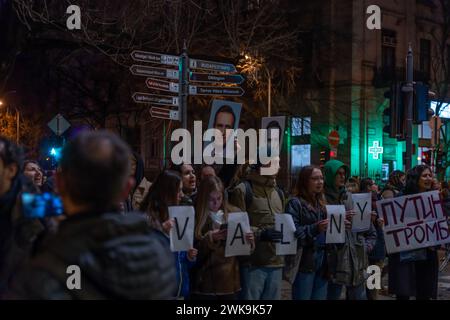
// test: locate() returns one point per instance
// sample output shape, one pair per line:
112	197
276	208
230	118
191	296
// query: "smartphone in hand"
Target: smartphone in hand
35	205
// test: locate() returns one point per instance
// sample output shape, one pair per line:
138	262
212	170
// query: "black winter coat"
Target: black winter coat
305	220
119	256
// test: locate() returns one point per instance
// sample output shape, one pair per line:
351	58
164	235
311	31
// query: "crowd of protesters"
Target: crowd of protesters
116	228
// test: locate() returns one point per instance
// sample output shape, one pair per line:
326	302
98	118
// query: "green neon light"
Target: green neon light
376	150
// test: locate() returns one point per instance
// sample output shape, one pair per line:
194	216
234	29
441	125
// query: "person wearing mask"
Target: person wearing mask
167	191
378	254
259	196
414	273
215	277
115	256
307	208
347	262
33	171
189	180
18	234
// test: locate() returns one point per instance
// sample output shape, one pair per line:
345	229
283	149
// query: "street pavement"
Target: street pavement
443	286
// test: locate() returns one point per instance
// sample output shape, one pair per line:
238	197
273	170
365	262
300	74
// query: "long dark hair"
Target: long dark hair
162	194
412	178
301	188
394	179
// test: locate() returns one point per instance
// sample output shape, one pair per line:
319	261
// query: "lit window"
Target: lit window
300	156
301	126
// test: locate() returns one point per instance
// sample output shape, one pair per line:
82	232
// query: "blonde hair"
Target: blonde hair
209	185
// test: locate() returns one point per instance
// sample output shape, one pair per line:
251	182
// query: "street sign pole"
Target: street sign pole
409	89
184	85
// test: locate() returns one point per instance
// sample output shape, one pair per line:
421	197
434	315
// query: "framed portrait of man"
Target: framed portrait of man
274	123
224	115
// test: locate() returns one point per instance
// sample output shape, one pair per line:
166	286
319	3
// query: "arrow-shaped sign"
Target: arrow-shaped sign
154	57
211	65
153	72
163	113
215	78
140	97
218	91
162	85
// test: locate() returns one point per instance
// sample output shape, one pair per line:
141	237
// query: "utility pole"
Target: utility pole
184	85
408	88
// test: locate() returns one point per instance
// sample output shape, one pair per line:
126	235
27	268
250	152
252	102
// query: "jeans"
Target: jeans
353	293
261	283
311	285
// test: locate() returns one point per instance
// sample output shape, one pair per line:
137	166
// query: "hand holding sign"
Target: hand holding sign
322	225
168	225
288	243
182	233
336	226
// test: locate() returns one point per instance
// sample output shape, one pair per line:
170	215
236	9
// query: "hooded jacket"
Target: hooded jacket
347	263
119	257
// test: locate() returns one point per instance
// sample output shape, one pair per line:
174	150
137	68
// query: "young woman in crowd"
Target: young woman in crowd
167	191
308	212
32	170
215	277
189	180
415	273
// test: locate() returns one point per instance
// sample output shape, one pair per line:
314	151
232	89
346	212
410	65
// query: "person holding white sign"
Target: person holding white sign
347	262
308	212
215	277
414	273
167	191
259	196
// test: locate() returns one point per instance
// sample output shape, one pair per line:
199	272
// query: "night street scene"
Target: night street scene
225	150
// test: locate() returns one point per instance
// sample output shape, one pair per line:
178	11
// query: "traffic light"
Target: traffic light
426	157
422	106
394	115
324	157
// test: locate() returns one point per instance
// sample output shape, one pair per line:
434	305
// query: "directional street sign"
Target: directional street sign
219	91
140	97
59	124
211	65
163	113
215	78
162	85
153	72
153	57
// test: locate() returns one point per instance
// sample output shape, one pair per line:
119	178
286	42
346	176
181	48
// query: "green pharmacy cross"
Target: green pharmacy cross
376	150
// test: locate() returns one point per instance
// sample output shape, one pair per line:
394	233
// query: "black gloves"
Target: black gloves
271	235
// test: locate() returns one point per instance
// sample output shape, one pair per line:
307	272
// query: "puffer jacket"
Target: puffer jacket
119	257
265	204
347	263
305	218
214	274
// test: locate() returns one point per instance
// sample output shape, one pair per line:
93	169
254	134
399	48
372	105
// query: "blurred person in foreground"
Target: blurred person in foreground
117	256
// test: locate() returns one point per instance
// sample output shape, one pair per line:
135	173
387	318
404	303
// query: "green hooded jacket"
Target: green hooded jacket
346	262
